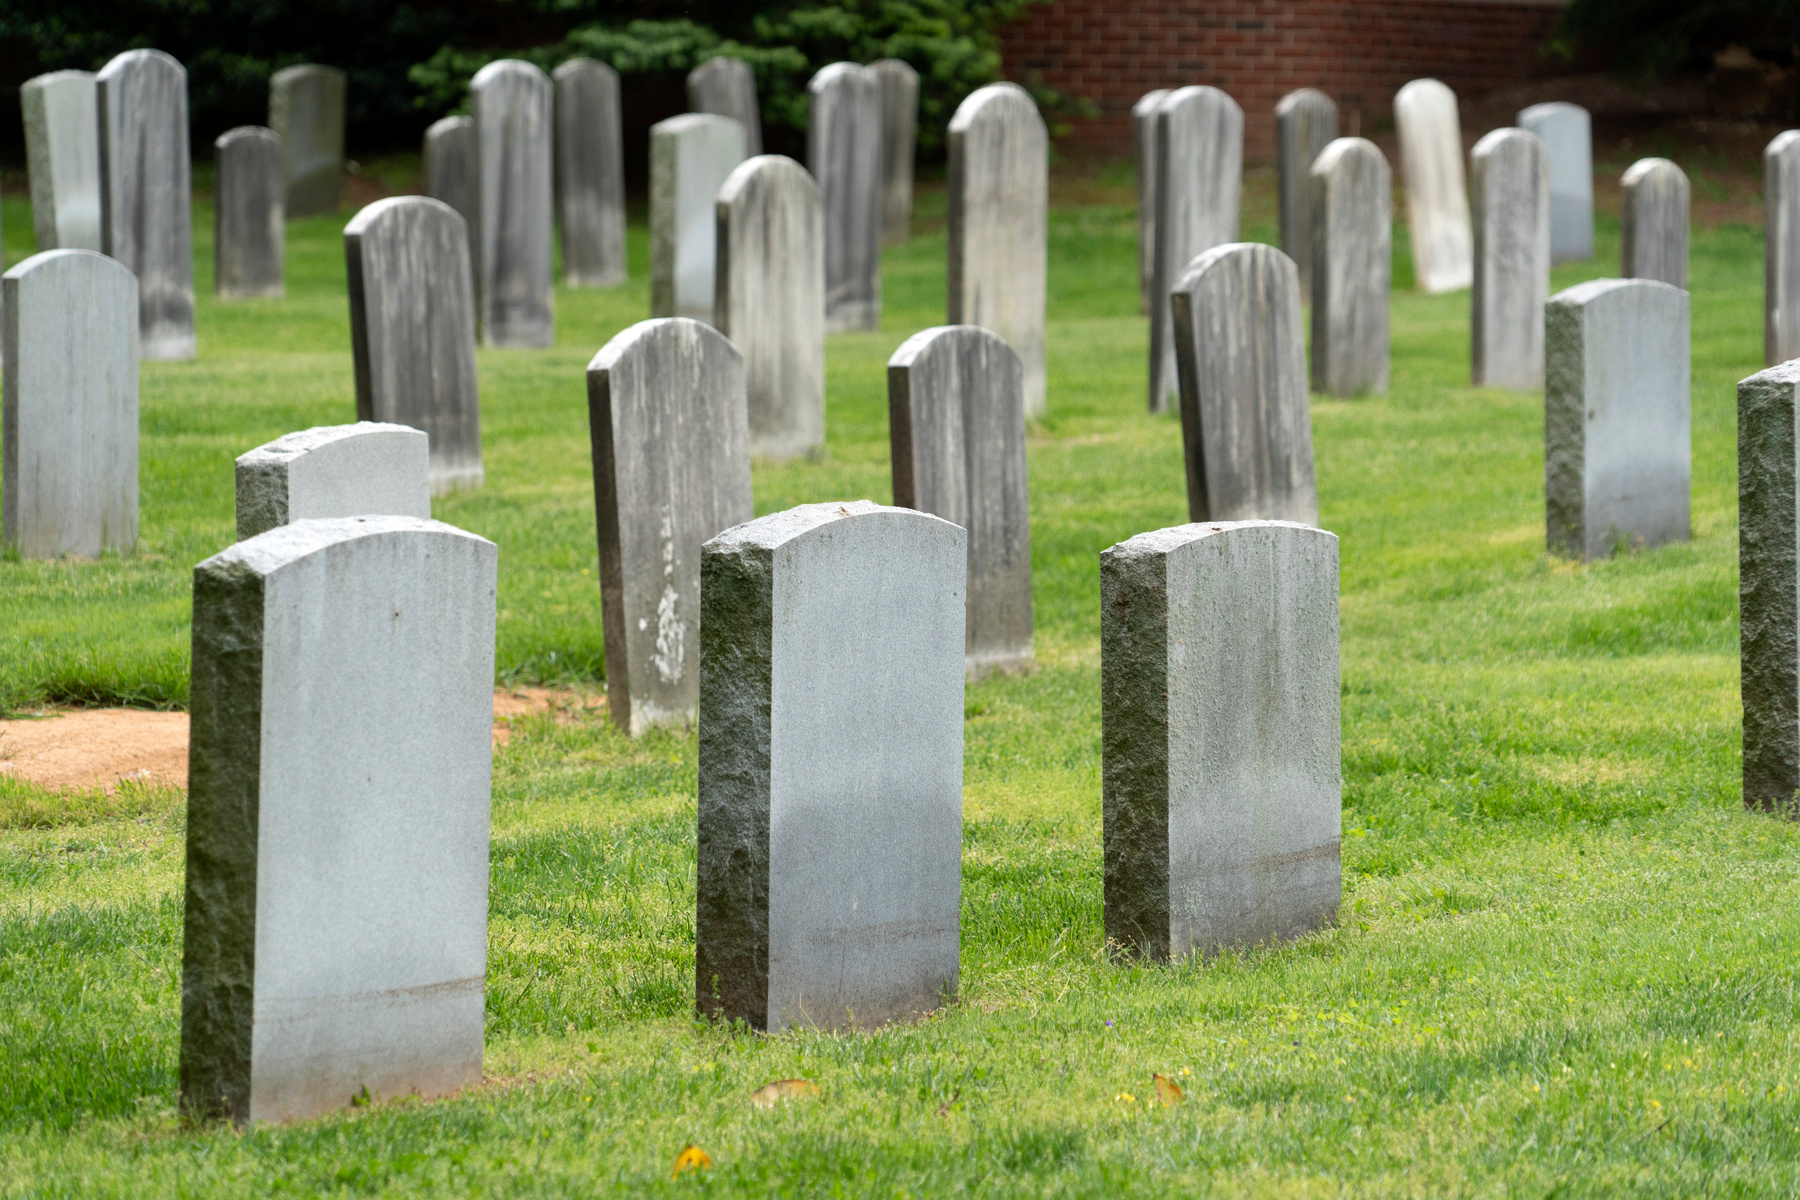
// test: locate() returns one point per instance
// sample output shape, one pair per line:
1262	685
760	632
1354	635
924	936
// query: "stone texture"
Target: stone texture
666	411
1781	248
999	224
831	723
249	225
412	327
690	158
1199	188
510	102
1510	185
306	111
590	173
1143	157
1437	198
1306	121
899	143
1654	212
334	471
1769	620
62	150
1220	735
726	87
450	170
1616	424
843	140
146	219
1567	134
771	300
1352	247
334	941
956	418
1245	422
69	431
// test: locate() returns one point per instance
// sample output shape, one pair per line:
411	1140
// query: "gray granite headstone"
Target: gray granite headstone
899	142
1567	133
726	87
249	225
956	416
831	751
146	197
690	158
1245	422
1781	248
62	150
1616	424
1769	618
1654	222
306	111
1352	246
1220	734
1509	186
1143	157
412	327
1306	121
671	443
450	170
334	471
590	173
70	444
771	300
340	763
1437	195
515	292
1000	224
844	155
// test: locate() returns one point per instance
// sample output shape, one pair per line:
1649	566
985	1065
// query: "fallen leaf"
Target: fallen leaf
769	1094
1167	1090
691	1157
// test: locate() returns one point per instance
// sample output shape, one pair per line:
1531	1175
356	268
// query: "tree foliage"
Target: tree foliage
1653	39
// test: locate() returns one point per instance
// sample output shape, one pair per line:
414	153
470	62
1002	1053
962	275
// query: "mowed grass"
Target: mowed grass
1566	960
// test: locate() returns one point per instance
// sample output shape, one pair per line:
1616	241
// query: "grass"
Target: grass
1566	961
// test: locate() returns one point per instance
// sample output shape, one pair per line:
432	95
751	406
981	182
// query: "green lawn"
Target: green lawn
1566	963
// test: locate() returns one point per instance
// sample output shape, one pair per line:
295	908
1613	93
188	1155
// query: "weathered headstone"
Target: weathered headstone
515	293
844	155
1781	248
412	327
726	87
956	413
590	173
666	412
1510	187
62	150
1568	136
1654	221
1222	787
831	743
1352	215
70	448
1769	617
1306	121
899	142
450	169
146	202
1143	156
1245	422
1437	196
334	471
690	158
334	942
1000	224
249	225
771	300
1199	189
306	111
1616	424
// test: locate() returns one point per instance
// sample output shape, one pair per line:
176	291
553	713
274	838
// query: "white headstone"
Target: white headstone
1781	248
899	142
1143	157
726	87
249	221
1510	185
590	173
1654	222
690	158
334	471
1437	198
1352	246
306	111
1769	622
844	154
1567	133
62	150
1305	122
510	102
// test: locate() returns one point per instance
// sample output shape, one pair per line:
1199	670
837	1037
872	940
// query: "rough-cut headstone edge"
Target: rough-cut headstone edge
1769	639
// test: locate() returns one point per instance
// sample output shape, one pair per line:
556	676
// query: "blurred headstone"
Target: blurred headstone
1510	188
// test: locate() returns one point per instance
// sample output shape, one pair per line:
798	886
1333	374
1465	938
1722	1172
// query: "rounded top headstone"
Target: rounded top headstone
1510	140
646	336
257	133
1594	289
1424	91
1304	97
1253	256
776	170
921	345
393	207
508	68
1644	168
991	100
153	60
831	73
1339	149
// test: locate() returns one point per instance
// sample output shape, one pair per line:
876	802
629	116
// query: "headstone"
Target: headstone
899	142
771	300
831	743
1143	154
1245	422
1352	247
146	217
1306	121
590	174
1567	133
1769	618
450	169
249	226
1510	186
1437	198
70	451
510	103
844	154
412	326
666	412
1199	188
1222	787
726	87
690	158
334	942
1000	224
1654	212
334	471
62	150
306	111
1616	424
956	409
1781	248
